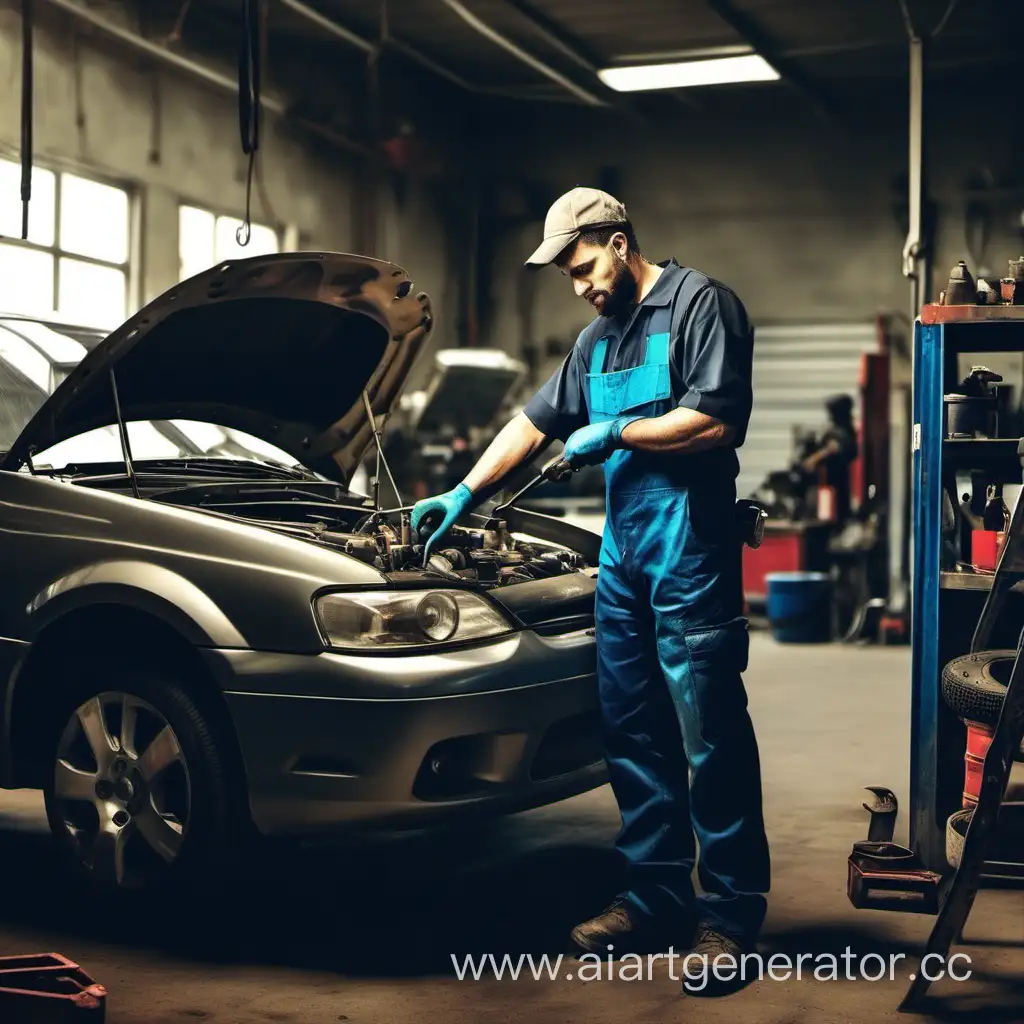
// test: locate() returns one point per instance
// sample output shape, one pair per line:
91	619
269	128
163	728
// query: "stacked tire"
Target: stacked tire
956	834
974	688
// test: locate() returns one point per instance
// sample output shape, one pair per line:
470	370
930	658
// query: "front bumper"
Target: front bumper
337	741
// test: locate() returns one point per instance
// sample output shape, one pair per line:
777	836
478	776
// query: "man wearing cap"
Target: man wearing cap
657	389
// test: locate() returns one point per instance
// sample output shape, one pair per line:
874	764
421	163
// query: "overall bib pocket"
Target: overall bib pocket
621	391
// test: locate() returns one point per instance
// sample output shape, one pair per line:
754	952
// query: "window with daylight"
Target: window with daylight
206	238
74	265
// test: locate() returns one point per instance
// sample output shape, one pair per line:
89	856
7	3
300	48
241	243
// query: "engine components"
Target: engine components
384	538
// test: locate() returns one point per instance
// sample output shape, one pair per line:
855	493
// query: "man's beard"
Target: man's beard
622	293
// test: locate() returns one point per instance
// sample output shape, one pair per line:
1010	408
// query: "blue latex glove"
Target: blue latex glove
446	508
591	445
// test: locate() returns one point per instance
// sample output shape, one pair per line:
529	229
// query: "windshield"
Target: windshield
35	358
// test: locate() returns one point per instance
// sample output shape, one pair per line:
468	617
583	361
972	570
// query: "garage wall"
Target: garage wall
802	218
806	221
101	110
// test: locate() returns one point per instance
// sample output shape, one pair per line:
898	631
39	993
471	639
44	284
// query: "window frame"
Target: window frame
280	230
130	268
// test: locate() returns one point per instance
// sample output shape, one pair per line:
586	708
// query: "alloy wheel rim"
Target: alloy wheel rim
122	789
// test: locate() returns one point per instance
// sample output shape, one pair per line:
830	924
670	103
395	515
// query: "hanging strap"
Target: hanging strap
27	79
597	357
249	73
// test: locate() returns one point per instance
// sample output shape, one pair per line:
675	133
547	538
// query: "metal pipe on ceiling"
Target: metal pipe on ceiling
389	42
552	35
520	54
426	62
748	31
211	76
333	28
160	53
330	27
555	36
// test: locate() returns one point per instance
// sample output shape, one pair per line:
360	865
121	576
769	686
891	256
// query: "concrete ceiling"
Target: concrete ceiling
835	56
827	47
833	46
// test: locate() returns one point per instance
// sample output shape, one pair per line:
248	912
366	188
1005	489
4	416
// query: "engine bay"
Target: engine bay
489	555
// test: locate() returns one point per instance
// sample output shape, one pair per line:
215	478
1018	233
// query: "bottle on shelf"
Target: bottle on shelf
996	517
987	543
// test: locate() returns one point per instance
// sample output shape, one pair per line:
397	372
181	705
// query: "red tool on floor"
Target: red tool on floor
47	988
881	875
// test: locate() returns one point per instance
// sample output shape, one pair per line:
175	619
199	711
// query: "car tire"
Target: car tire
956	833
166	812
974	686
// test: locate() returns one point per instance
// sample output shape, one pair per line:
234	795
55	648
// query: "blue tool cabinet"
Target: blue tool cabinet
947	602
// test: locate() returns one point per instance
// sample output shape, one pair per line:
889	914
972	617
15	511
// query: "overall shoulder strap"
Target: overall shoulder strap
597	356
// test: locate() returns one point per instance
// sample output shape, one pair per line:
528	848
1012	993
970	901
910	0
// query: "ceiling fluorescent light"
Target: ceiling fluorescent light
620	60
723	71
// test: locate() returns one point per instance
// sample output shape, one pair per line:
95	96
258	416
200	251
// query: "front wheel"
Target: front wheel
137	794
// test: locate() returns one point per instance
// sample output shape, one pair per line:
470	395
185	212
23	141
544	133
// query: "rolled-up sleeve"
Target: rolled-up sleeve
559	407
715	356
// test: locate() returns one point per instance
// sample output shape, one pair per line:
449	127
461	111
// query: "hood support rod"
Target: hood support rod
122	430
381	457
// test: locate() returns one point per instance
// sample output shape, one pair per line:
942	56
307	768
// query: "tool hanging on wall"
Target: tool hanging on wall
249	67
27	20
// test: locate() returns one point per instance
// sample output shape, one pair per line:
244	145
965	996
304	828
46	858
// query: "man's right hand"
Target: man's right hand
440	513
517	442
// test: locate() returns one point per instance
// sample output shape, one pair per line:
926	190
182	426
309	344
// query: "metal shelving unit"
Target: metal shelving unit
978	452
946	604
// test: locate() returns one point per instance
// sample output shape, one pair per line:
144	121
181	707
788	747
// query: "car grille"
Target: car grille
569	624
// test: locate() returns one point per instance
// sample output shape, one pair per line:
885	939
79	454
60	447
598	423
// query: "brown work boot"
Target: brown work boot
714	966
624	928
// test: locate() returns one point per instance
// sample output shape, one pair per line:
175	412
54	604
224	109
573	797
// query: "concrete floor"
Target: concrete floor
367	937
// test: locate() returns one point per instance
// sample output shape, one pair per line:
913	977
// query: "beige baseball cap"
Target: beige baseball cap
579	210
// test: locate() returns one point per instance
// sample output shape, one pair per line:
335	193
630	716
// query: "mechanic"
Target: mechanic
657	389
837	450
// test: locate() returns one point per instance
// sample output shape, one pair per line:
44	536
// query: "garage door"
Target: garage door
795	369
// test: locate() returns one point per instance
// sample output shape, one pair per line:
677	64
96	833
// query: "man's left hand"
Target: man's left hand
591	445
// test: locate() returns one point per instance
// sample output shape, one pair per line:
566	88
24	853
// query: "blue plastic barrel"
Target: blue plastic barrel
800	607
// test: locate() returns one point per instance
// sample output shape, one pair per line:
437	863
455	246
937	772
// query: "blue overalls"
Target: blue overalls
672	643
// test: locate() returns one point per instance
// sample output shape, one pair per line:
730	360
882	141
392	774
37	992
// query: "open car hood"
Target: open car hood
281	347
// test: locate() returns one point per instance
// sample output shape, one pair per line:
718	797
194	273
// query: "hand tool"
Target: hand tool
557	469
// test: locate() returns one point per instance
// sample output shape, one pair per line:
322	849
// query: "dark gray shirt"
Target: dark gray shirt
710	355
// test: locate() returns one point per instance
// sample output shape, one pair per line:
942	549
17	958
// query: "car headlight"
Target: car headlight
370	620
